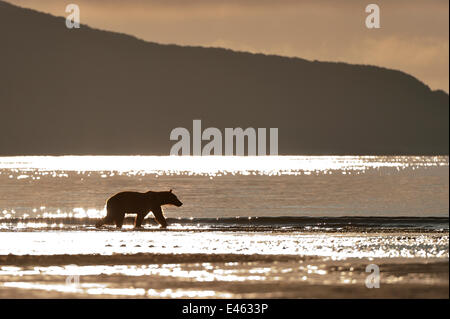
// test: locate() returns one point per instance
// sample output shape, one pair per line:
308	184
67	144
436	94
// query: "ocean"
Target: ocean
257	227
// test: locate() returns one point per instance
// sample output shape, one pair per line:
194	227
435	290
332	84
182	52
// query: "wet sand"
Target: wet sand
219	276
207	263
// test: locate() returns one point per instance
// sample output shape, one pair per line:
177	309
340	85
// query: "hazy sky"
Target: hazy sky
414	34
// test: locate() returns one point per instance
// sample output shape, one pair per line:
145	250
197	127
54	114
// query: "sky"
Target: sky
414	34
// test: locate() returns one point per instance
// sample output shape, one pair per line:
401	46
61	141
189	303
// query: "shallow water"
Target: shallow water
236	279
228	187
334	245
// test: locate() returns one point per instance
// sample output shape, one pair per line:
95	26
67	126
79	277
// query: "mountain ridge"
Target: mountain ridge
276	92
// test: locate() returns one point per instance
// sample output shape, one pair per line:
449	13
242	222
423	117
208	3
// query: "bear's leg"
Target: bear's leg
100	223
119	220
109	218
159	217
139	219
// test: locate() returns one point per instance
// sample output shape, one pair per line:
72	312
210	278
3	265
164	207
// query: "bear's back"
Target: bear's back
131	200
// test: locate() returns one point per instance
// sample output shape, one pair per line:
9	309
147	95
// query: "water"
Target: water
42	187
263	221
63	197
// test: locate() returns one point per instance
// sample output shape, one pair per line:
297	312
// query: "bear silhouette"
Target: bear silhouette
138	203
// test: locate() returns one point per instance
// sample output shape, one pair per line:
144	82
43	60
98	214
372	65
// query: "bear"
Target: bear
138	203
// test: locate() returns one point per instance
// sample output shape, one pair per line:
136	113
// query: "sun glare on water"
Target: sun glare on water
212	165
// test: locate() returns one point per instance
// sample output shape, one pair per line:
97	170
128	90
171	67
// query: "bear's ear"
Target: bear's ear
170	190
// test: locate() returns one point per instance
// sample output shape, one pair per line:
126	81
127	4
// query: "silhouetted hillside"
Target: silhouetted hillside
85	91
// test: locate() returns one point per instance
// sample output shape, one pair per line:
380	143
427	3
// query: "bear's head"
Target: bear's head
169	198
